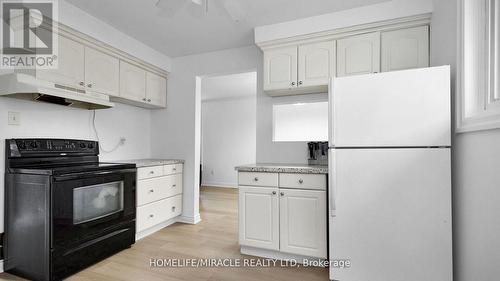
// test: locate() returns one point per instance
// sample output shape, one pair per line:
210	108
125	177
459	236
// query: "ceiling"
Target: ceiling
190	31
229	86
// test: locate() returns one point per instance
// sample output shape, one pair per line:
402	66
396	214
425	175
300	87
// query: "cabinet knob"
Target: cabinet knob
300	82
149	100
89	85
301	181
173	209
274	192
81	84
151	172
151	216
151	190
282	193
174	169
293	83
174	185
144	99
256	179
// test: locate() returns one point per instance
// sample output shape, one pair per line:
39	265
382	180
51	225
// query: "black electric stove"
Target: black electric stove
65	210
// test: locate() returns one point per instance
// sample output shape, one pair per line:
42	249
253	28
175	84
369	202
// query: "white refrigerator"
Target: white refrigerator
390	176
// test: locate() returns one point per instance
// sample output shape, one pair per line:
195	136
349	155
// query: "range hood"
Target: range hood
27	87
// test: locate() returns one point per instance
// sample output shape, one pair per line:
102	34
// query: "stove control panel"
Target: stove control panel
18	147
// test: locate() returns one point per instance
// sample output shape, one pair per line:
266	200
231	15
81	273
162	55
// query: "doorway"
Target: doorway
228	127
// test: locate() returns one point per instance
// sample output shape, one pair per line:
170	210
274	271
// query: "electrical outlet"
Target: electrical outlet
14	118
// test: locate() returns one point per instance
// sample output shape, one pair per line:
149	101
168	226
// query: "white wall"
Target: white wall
228	138
52	121
476	172
176	130
346	18
90	25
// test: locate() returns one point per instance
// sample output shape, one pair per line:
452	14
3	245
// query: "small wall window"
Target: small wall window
478	105
300	122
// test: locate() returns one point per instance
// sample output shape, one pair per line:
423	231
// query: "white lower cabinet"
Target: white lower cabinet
259	217
159	197
303	222
284	219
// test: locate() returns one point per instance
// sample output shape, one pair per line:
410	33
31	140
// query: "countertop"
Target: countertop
150	162
283	168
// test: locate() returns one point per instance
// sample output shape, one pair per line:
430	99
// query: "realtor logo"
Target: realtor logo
29	34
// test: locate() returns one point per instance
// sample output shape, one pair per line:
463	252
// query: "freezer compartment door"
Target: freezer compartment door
392	215
391	109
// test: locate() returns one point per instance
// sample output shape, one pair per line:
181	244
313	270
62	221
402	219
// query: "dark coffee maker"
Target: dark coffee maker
318	153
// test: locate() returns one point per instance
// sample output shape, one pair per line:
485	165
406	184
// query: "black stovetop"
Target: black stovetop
71	168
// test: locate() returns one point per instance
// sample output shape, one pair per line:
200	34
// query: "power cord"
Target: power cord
99	141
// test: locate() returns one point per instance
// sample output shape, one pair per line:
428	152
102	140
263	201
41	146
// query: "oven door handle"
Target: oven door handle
93	174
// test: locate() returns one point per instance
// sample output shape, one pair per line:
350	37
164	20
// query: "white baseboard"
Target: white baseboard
272	254
153	229
190	220
220	184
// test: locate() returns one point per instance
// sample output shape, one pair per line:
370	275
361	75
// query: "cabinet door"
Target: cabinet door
259	217
132	82
303	222
358	54
315	63
405	48
102	72
280	68
156	89
70	70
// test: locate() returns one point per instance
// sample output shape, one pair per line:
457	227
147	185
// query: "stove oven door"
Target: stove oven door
88	206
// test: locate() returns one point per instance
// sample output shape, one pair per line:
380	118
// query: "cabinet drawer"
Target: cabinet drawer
258	179
149	172
303	181
152	214
154	189
172	169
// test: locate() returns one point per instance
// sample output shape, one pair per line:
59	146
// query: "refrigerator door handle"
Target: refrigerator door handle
331	113
331	183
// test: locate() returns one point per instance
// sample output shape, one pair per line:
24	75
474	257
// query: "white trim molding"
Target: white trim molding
386	25
478	99
221	184
190	220
277	255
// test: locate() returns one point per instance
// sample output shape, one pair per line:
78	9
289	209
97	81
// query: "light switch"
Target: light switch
14	118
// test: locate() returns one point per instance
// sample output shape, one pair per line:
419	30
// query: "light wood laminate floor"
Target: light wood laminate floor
216	236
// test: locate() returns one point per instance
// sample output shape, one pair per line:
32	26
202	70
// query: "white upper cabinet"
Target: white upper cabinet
259	217
358	54
132	82
156	89
70	70
102	72
315	63
303	222
405	48
280	68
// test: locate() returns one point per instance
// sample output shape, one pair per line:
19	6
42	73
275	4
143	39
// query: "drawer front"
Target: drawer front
172	169
258	179
154	189
149	172
303	181
152	214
